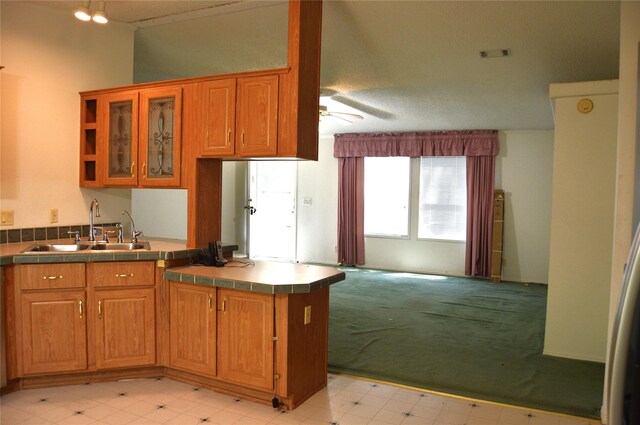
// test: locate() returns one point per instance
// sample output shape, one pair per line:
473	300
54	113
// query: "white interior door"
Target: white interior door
271	209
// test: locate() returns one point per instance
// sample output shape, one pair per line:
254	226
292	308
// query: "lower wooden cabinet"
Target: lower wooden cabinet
54	333
238	350
125	328
245	338
52	322
123	313
100	320
192	319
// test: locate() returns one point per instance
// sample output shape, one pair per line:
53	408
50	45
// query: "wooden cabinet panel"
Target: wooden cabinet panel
124	327
52	276
89	176
118	134
219	106
121	273
245	338
160	137
192	328
54	337
257	116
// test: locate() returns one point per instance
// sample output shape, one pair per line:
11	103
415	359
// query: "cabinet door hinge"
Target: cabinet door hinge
275	338
276	377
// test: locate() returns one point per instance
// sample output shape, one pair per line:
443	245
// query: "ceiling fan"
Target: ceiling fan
341	117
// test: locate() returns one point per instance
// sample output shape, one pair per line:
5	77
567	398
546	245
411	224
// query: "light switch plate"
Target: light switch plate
307	315
53	215
6	218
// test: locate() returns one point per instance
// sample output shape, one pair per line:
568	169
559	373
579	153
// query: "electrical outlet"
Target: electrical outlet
53	215
307	315
7	218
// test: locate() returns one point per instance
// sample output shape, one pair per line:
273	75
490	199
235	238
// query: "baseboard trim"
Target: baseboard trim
81	378
572	356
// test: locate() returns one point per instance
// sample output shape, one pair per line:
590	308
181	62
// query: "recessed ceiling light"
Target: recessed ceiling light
495	53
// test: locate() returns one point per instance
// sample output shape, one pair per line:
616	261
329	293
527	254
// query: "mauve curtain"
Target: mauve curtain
415	144
351	211
480	182
479	146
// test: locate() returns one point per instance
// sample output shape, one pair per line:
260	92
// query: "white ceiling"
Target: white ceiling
403	65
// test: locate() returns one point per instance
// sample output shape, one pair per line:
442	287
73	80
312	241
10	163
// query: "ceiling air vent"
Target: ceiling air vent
496	53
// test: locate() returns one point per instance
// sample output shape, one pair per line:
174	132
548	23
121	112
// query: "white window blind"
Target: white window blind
443	198
386	196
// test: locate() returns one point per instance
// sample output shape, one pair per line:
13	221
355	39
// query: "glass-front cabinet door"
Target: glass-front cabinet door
160	134
120	133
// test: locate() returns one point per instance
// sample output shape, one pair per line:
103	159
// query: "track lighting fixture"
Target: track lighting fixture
84	13
100	16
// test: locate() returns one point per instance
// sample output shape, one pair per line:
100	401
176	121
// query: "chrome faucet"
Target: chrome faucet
95	206
134	233
120	236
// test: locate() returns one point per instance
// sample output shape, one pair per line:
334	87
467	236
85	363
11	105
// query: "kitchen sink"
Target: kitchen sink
107	246
88	246
57	248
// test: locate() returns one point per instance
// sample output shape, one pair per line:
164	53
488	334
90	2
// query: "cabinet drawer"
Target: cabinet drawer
121	273
52	276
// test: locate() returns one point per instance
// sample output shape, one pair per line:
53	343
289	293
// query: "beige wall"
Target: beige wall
581	220
49	56
524	172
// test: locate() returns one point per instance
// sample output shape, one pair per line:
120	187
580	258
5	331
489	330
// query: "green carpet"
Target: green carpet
461	336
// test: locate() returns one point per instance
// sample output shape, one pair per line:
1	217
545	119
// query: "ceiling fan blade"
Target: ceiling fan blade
341	117
346	116
378	113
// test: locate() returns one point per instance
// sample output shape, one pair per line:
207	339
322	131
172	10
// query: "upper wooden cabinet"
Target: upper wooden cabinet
257	116
131	138
118	138
160	137
219	107
88	141
240	116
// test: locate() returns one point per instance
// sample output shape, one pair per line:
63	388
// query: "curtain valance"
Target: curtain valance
415	144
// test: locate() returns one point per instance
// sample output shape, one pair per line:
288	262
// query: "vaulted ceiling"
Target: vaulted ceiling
402	65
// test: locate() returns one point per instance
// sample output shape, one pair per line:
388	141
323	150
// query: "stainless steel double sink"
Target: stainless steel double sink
87	246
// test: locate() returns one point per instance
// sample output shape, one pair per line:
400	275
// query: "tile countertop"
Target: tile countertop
267	277
161	249
256	276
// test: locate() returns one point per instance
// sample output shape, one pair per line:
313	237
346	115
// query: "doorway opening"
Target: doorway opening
271	210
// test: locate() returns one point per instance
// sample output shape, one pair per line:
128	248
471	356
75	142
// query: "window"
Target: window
443	198
386	196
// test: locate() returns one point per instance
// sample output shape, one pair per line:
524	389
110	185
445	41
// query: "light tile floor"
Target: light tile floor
345	401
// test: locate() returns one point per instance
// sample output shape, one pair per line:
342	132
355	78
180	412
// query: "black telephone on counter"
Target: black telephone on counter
214	257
